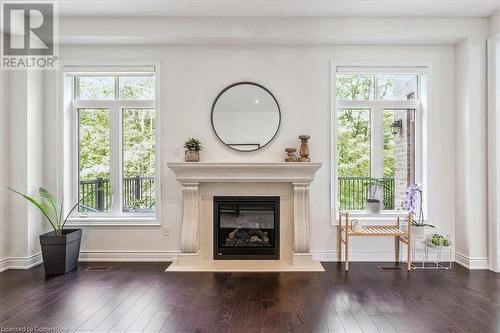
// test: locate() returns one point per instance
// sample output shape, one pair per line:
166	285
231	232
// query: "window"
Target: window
115	142
376	136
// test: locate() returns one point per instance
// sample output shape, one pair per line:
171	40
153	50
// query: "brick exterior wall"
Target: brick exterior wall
403	156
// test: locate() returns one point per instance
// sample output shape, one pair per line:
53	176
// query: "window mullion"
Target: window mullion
377	142
115	160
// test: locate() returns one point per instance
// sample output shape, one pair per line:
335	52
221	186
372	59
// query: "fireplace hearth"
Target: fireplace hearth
246	227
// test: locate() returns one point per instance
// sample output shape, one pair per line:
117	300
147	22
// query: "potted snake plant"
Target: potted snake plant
60	247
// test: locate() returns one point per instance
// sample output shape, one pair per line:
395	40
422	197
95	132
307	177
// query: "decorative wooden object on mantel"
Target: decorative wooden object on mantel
291	155
304	149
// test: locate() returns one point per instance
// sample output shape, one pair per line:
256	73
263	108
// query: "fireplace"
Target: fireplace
246	227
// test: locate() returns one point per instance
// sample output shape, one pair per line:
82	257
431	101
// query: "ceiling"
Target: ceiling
278	8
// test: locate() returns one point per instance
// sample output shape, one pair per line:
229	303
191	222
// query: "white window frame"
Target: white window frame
376	108
70	181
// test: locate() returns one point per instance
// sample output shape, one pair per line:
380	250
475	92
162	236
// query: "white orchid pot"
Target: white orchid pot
418	232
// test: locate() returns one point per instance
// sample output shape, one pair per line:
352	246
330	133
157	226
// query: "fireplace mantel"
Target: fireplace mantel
191	175
278	172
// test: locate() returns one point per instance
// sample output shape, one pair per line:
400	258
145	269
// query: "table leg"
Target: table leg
339	239
396	249
346	241
396	243
410	244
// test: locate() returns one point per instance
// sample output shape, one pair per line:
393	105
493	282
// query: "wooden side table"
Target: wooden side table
345	231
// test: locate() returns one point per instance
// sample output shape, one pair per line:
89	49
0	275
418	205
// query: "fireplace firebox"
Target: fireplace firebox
246	227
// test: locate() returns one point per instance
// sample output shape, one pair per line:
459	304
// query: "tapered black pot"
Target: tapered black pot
60	253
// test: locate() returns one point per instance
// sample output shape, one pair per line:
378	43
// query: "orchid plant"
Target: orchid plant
410	204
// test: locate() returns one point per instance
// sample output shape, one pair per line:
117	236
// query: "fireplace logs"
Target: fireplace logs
247	237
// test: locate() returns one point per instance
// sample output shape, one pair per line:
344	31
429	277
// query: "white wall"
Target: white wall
299	77
494	24
24	162
3	169
493	141
291	57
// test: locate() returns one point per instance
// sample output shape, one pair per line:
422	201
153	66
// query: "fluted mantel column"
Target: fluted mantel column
190	218
301	242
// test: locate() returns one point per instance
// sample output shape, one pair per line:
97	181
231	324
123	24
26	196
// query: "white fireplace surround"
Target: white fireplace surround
295	254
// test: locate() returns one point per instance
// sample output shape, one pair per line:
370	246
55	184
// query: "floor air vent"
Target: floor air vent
98	269
390	268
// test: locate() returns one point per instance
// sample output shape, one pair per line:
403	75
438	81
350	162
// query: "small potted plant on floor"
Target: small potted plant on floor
60	247
413	204
373	203
193	147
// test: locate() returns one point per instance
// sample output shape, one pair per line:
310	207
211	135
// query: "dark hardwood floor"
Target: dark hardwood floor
142	297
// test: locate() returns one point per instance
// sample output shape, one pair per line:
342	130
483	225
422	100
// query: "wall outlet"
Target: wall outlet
165	230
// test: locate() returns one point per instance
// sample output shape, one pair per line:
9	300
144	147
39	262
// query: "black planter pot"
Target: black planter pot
60	253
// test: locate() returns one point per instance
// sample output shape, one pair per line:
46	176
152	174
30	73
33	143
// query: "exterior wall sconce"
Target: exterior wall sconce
396	126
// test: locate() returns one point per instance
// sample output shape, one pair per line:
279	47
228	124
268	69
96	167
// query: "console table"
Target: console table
345	231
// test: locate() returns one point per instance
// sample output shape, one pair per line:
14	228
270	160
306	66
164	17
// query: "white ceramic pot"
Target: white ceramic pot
373	207
418	232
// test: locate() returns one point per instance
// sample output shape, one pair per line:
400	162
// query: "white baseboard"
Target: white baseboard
331	256
128	256
168	256
20	262
471	262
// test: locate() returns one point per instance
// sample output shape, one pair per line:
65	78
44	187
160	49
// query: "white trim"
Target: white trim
111	66
494	152
421	106
277	172
394	105
380	69
471	263
128	256
20	262
107	69
369	256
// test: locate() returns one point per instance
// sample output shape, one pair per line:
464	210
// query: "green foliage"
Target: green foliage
440	240
139	142
138	136
353	134
94	143
193	144
50	208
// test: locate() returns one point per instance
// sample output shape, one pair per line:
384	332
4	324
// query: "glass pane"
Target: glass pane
397	87
353	146
355	87
94	168
399	155
137	87
96	88
139	160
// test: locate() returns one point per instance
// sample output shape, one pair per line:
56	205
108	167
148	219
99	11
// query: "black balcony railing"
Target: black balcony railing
138	194
353	192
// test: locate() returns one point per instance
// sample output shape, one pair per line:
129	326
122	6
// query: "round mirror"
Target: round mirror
245	116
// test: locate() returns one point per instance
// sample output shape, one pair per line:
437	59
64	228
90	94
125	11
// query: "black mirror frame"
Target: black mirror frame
238	84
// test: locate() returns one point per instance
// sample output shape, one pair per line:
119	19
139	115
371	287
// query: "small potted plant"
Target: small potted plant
60	247
193	147
373	203
440	240
414	202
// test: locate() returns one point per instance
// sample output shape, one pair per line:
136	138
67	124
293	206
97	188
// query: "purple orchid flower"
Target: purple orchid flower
410	204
